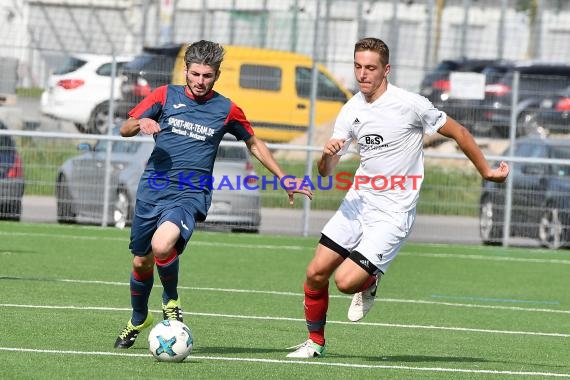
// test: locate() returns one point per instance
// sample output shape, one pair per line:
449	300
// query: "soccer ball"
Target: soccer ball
170	341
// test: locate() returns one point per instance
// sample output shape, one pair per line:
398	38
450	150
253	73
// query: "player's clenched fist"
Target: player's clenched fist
149	126
333	146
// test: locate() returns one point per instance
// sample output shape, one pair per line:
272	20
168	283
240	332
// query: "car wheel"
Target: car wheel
121	209
65	213
16	210
11	210
97	123
81	128
550	229
246	229
489	228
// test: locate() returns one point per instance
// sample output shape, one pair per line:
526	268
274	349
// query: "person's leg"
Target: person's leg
166	259
142	276
168	243
383	236
359	277
351	278
339	236
316	288
142	279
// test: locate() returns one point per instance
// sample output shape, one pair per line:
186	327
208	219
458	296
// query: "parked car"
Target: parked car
11	178
80	186
552	116
272	87
79	91
493	114
147	71
540	196
436	84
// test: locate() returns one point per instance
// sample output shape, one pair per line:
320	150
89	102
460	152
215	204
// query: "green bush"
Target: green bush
445	190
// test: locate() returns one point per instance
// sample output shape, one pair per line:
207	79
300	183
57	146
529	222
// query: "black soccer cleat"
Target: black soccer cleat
129	334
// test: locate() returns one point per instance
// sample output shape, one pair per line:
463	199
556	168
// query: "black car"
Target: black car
492	116
147	71
11	178
552	116
540	207
436	85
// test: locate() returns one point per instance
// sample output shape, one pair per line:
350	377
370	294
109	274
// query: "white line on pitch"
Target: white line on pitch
483	257
278	247
301	362
268	318
293	294
194	242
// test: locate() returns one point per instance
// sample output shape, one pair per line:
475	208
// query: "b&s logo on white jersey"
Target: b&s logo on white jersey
371	142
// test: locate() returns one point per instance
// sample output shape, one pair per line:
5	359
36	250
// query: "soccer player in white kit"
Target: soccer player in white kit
387	125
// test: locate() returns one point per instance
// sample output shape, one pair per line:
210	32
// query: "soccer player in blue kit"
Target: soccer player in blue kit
188	123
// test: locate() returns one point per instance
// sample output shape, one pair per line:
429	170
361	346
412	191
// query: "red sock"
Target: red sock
369	281
316	306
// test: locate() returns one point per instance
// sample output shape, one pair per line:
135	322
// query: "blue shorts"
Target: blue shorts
149	217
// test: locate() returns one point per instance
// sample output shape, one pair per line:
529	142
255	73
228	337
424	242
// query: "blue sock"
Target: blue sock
168	273
140	285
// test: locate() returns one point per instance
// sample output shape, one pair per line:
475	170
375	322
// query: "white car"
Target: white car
79	91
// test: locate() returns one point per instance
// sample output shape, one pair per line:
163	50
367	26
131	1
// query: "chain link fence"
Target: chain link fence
429	41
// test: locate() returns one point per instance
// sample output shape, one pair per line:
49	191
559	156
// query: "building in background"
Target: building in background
39	33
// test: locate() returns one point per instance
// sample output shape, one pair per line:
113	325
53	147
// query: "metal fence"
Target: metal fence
40	35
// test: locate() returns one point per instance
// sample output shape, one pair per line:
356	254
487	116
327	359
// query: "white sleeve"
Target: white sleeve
343	130
432	120
430	117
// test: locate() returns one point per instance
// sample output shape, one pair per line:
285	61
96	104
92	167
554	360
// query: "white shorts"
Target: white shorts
376	234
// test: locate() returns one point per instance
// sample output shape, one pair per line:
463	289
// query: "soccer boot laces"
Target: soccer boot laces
172	311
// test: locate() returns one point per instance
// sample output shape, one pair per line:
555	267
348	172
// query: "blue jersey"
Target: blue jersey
185	149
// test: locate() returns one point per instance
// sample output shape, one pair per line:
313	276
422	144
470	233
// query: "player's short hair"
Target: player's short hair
375	45
205	53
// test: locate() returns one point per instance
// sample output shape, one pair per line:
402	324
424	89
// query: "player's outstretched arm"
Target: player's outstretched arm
467	144
293	185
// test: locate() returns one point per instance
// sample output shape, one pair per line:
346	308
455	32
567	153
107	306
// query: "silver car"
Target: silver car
81	180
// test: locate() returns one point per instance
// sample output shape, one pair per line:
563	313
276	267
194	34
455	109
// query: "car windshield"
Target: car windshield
150	63
494	72
106	69
541	80
71	64
118	146
446	66
139	62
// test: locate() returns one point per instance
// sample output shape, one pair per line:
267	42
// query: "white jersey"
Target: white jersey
389	137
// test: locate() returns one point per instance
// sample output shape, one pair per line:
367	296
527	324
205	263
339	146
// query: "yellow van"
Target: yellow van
273	88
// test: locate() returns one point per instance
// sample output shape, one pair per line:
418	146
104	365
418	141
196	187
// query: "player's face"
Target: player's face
370	74
201	78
